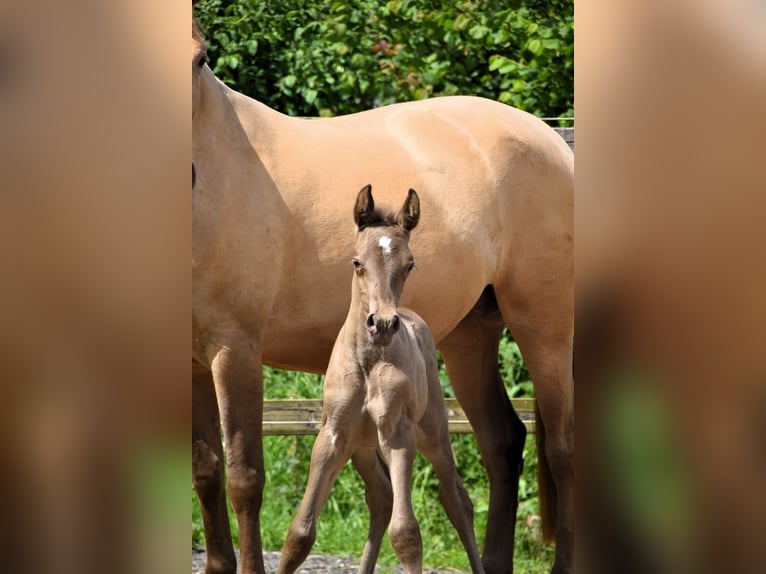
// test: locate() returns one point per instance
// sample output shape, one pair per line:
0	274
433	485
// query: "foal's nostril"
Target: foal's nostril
370	323
395	324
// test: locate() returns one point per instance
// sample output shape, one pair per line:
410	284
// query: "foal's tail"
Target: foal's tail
545	488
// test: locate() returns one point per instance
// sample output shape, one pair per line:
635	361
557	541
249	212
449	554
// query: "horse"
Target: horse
495	250
382	400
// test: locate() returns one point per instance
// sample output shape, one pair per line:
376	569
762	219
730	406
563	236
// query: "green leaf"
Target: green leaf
461	22
500	37
394	6
222	38
310	95
496	61
502	65
508	67
478	31
289	81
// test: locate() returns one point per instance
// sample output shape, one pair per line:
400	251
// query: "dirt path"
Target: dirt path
316	564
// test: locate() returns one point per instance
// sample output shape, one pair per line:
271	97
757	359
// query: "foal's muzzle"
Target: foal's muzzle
382	329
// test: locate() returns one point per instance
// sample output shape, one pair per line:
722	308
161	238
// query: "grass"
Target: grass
342	526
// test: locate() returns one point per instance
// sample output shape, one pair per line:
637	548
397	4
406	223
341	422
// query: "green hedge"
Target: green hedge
327	58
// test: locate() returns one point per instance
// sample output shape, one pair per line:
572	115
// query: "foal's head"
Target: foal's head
382	261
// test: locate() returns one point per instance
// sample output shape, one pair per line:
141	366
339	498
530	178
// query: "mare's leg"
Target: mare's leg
470	353
455	500
331	451
540	316
379	497
398	448
238	377
208	477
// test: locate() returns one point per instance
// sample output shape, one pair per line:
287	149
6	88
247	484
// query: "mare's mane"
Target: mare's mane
197	32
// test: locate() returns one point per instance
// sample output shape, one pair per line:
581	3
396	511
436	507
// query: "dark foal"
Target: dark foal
382	400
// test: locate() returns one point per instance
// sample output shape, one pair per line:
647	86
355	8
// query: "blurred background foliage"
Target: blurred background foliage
325	58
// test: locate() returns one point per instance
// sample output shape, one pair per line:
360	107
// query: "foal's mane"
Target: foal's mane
381	218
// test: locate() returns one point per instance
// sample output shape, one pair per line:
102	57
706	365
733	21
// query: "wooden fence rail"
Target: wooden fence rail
303	416
567	134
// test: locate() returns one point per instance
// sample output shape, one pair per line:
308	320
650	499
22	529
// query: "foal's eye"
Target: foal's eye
202	60
357	264
411	266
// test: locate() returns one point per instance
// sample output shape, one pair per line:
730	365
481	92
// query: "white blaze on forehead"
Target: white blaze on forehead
385	244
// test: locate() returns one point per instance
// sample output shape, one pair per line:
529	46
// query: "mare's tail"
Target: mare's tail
545	488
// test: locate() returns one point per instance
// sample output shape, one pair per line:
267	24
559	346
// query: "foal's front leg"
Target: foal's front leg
331	451
398	447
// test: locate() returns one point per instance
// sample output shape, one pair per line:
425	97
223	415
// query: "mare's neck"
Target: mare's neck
228	120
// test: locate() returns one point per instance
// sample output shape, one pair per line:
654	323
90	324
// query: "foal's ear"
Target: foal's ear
364	208
409	214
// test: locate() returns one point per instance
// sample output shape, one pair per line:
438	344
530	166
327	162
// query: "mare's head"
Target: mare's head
382	262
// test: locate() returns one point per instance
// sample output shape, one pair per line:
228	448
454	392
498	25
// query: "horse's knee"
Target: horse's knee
207	469
405	538
245	484
560	455
300	539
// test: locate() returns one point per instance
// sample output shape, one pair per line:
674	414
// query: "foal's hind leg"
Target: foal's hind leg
470	353
379	497
208	477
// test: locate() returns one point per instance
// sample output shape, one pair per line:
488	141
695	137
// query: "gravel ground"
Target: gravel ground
315	564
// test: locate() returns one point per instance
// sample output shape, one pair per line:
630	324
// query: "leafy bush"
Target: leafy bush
334	57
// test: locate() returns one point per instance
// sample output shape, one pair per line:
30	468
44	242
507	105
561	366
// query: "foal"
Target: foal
382	399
